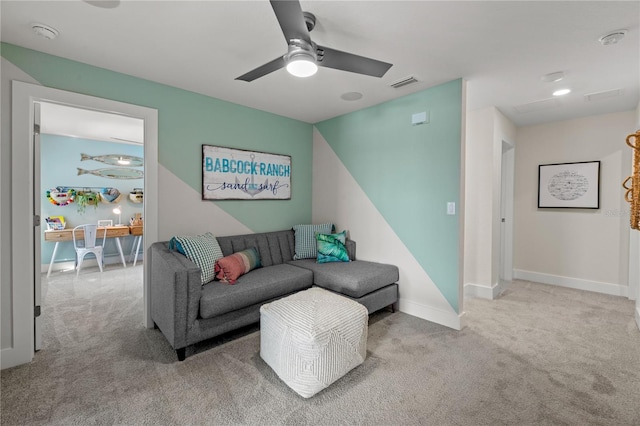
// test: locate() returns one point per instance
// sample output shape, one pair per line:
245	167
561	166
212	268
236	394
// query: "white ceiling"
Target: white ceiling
502	48
82	123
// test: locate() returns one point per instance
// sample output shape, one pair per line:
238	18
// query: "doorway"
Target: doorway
25	225
94	155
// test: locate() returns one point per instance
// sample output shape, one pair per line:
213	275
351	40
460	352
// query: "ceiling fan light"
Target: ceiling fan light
301	66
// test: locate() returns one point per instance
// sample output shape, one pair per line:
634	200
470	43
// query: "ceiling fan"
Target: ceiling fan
304	56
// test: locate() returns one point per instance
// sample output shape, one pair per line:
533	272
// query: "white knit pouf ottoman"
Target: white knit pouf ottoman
312	338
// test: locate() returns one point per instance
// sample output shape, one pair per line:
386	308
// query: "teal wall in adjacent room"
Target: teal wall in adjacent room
186	121
59	162
411	172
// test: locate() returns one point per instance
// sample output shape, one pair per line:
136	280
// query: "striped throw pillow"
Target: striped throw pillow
305	239
203	250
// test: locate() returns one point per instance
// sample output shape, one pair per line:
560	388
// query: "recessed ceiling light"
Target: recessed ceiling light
351	96
44	31
552	77
613	37
561	92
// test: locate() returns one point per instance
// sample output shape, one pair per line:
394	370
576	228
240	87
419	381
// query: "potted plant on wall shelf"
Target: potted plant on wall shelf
86	198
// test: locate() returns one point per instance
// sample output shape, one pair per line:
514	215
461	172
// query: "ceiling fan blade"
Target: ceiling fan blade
263	70
344	61
291	20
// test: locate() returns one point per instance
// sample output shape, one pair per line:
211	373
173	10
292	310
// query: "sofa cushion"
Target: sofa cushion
203	250
354	279
305	238
259	285
274	248
331	247
230	268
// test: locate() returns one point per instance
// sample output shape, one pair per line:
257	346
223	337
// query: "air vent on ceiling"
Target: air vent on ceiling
602	95
538	105
403	82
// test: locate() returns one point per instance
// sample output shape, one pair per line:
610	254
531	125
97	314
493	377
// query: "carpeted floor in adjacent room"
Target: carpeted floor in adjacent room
538	355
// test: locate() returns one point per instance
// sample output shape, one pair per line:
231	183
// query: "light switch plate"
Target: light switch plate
451	208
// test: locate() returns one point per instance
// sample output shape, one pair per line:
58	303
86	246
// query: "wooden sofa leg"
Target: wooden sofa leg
181	353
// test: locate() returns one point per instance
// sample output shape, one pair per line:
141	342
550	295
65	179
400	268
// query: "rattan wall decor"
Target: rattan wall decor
632	183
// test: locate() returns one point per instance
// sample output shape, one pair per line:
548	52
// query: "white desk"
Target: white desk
136	231
67	235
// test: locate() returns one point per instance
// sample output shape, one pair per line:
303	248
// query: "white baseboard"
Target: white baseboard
10	357
484	292
577	283
447	318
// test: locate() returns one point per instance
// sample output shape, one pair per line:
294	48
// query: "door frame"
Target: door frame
507	182
24	96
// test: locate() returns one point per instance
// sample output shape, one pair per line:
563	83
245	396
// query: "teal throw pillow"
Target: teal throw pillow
305	239
331	247
203	250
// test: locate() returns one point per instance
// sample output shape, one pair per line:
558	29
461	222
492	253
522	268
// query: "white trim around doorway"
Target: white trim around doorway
24	95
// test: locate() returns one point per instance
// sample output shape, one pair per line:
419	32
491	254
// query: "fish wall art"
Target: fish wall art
115	159
114	173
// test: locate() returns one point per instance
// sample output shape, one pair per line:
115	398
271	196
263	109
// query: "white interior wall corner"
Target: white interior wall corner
339	199
478	197
503	130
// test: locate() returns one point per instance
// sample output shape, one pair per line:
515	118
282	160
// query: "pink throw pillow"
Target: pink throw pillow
230	268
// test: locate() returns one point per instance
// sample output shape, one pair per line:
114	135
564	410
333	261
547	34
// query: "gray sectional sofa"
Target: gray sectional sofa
187	312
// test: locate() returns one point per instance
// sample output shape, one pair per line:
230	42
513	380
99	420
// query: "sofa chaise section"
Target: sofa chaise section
372	284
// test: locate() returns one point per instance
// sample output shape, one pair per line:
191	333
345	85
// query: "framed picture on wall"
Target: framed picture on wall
236	174
569	185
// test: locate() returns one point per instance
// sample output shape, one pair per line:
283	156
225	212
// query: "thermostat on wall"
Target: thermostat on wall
420	118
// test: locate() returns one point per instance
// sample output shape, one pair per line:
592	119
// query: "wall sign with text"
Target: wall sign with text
235	174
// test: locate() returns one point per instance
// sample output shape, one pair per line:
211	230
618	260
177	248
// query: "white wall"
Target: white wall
176	220
578	248
338	198
486	129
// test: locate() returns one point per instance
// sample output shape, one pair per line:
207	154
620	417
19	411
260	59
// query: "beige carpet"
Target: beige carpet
539	355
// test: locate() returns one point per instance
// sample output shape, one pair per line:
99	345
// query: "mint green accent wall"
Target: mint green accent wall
410	172
186	121
59	163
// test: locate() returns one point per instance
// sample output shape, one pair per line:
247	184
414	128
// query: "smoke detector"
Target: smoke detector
44	31
613	37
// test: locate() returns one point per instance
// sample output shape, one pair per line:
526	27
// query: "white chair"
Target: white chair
88	245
